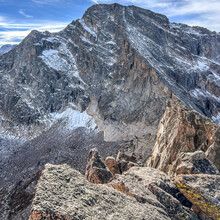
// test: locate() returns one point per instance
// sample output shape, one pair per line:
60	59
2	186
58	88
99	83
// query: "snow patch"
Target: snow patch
110	42
88	29
75	119
198	93
61	60
216	118
53	60
202	66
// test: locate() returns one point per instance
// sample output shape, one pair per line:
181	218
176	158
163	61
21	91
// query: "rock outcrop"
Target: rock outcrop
125	161
193	163
146	193
112	165
204	193
96	169
64	193
182	130
148	185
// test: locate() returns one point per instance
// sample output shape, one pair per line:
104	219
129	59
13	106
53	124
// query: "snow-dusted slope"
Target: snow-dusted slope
6	48
116	66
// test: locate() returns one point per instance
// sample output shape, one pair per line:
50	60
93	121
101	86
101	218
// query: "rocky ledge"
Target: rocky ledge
137	193
146	193
186	142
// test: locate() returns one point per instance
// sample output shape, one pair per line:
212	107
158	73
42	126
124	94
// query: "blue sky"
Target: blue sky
19	17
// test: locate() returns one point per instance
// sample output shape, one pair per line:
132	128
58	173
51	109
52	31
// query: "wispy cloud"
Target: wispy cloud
95	1
14	32
45	2
21	11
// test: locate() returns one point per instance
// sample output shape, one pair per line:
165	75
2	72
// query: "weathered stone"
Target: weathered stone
213	152
148	185
96	170
37	215
79	199
203	191
112	165
193	163
183	130
126	161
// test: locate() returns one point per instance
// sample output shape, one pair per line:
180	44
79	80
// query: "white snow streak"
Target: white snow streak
88	29
74	119
216	118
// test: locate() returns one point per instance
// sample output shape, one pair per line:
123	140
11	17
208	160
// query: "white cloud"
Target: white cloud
95	1
24	14
45	2
19	31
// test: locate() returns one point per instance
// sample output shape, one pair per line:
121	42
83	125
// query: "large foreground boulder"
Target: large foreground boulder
64	193
204	193
140	194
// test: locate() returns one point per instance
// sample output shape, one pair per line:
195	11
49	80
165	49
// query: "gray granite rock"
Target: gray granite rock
109	65
149	185
64	193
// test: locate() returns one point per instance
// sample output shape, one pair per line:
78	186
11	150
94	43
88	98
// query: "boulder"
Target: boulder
112	165
193	163
64	193
96	170
126	161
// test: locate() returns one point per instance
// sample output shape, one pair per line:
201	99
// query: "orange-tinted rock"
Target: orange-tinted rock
37	215
112	165
96	170
182	130
125	162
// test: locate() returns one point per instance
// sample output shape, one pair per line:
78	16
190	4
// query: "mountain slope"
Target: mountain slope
120	65
106	53
6	48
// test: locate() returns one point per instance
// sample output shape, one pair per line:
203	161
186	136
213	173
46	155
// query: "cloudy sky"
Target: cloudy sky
18	17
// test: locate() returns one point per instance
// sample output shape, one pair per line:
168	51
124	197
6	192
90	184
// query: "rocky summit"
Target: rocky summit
137	94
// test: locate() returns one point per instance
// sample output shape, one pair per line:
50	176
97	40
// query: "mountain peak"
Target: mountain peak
106	81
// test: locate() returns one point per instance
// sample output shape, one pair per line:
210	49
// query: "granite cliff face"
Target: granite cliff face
104	82
184	136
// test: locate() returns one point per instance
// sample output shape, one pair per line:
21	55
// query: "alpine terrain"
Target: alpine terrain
6	48
114	117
